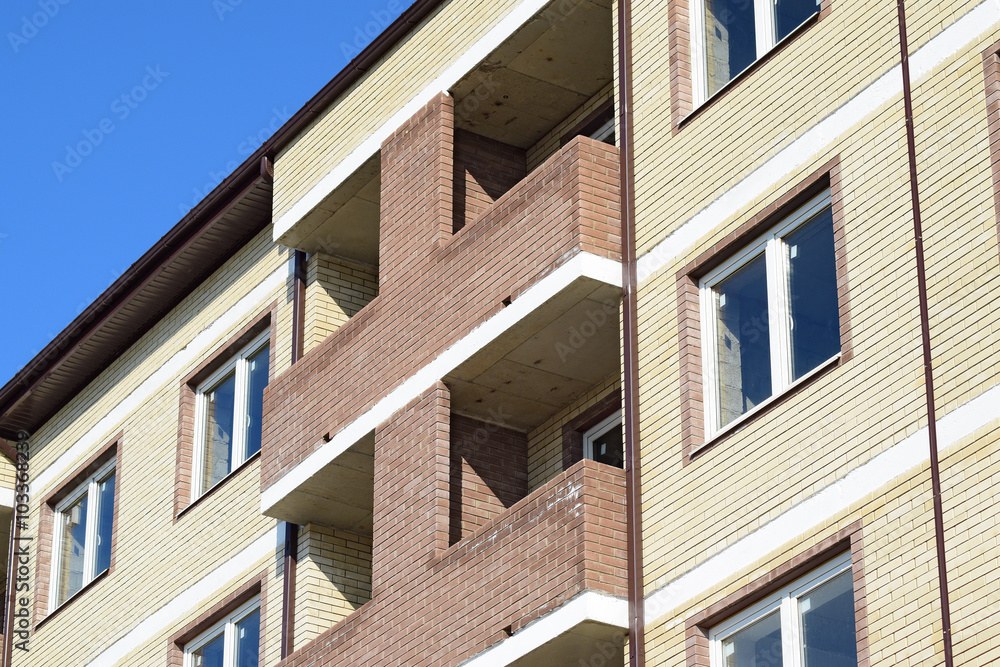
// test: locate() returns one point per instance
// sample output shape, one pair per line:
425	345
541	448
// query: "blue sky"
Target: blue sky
121	116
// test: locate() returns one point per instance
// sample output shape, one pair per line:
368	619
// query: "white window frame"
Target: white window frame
784	600
770	245
91	489
764	32
226	627
240	364
605	130
597	431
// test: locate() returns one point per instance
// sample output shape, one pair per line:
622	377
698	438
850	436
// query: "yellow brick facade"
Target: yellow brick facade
150	574
695	186
335	291
333	579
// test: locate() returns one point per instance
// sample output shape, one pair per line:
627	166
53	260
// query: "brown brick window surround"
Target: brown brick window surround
185	465
573	430
256	589
694	438
682	60
87	489
833	548
991	74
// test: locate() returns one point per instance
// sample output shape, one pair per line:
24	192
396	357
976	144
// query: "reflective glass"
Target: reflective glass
743	344
812	291
71	556
218	454
730	40
826	614
757	645
105	524
259	364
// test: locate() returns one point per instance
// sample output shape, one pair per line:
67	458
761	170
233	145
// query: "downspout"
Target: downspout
630	337
925	335
291	529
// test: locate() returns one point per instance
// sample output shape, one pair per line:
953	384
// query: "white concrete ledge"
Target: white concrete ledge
583	265
588	606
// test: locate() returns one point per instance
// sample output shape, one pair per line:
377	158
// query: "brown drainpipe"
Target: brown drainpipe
925	335
291	529
630	321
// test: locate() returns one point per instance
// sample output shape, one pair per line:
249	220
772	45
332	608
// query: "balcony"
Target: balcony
505	310
512	587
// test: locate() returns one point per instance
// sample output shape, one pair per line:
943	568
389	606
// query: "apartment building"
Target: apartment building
568	332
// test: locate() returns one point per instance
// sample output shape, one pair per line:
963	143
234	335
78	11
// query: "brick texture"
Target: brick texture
484	171
489	473
437	287
567	537
411	489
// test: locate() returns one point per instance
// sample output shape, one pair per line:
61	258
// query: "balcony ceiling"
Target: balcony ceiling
552	357
341	495
548	69
589	643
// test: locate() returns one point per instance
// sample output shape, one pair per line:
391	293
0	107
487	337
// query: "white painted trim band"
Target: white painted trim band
587	606
7	497
262	549
172	368
864	480
489	42
583	265
816	140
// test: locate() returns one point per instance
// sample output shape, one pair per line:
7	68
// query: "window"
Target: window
729	35
606	132
809	623
770	315
604	443
229	415
232	642
84	525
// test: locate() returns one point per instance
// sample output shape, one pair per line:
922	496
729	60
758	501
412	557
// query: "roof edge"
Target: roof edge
208	208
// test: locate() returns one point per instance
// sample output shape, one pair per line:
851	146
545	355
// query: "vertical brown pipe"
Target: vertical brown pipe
925	335
291	529
630	320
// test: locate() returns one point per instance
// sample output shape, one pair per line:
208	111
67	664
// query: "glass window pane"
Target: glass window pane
790	14
71	561
105	524
258	380
812	291
218	455
210	654
827	618
730	40
743	345
609	447
757	645
248	640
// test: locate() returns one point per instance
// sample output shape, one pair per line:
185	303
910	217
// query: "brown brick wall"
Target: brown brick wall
484	171
567	537
489	473
439	289
411	489
417	183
